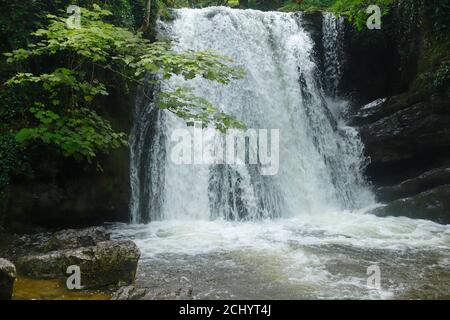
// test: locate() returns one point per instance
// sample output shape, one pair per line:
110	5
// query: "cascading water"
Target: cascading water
207	227
333	44
320	160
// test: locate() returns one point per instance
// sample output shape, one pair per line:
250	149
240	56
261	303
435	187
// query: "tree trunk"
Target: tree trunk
148	12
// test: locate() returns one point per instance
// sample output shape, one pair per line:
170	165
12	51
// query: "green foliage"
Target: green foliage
306	5
355	10
441	79
438	80
438	10
186	106
80	133
64	113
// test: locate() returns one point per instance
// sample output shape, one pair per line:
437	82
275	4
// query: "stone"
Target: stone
129	293
107	263
413	133
410	187
73	238
433	205
7	278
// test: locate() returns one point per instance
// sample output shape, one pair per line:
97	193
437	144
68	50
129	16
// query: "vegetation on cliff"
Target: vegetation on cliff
54	87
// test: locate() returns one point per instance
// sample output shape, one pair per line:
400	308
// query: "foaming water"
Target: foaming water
320	159
229	232
309	256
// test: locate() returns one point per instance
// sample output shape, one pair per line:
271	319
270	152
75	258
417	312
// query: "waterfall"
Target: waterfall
333	44
320	158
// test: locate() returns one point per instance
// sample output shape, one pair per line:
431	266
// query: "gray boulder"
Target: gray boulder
107	263
129	293
72	238
7	278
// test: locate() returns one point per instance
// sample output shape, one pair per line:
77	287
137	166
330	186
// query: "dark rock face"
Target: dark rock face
425	181
433	204
107	263
406	132
410	133
407	138
72	238
89	198
7	278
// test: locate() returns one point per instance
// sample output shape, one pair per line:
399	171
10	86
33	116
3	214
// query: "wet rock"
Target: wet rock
383	107
178	294
425	181
433	205
129	293
415	132
107	263
42	266
72	238
7	278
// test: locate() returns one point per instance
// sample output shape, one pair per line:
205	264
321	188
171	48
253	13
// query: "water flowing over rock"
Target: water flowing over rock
320	158
333	44
309	234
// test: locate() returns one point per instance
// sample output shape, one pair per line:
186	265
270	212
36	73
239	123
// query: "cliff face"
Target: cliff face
65	193
406	131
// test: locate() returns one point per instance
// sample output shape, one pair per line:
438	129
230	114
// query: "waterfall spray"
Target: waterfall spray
320	158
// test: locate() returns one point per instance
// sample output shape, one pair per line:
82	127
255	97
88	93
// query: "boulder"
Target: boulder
433	205
7	278
72	238
423	182
43	266
107	263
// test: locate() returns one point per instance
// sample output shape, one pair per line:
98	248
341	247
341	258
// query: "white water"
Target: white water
333	44
320	158
305	233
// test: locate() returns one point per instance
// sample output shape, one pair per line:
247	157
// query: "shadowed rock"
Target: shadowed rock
423	182
433	205
7	278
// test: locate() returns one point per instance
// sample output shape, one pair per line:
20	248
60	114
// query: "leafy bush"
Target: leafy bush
64	114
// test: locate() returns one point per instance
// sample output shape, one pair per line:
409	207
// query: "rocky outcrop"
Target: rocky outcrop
73	238
433	204
137	293
411	134
410	187
407	138
129	293
7	278
88	198
106	263
406	129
